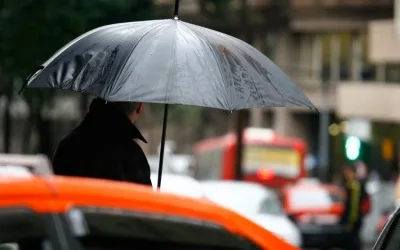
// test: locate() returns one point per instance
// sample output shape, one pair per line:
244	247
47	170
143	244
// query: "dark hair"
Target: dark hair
125	107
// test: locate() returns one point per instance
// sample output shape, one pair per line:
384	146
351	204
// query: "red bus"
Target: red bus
267	158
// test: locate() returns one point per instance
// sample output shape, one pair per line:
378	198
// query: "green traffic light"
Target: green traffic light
353	147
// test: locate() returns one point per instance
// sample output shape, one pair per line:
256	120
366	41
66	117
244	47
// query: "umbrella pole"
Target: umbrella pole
163	135
164	127
176	9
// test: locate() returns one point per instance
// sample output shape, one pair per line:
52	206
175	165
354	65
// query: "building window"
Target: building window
393	73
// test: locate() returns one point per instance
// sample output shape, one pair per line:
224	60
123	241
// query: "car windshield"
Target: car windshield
243	199
271	206
101	228
306	198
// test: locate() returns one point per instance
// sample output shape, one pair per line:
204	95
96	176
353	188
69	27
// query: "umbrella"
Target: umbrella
170	62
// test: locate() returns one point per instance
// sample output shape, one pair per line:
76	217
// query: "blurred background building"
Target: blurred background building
343	54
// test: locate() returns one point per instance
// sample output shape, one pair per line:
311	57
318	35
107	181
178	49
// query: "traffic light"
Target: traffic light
353	148
388	150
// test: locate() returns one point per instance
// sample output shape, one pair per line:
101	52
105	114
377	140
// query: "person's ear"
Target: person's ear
139	108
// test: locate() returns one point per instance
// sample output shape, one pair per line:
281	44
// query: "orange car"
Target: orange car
316	208
66	213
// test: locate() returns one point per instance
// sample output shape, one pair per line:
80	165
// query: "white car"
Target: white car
14	171
175	163
255	202
178	184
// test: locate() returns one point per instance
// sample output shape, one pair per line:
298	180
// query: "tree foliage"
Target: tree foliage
215	9
32	30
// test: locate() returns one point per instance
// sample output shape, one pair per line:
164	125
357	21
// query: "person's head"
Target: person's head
349	171
130	109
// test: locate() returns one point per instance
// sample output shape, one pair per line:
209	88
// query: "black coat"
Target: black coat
103	146
352	216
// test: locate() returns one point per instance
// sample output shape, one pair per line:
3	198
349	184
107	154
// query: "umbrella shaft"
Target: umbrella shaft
162	146
176	9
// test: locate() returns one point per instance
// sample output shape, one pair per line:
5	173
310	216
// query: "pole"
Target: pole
7	136
162	146
176	9
241	114
324	143
324	117
165	120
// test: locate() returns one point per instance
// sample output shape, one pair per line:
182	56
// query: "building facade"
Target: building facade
342	53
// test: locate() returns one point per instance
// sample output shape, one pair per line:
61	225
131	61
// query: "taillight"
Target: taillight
265	174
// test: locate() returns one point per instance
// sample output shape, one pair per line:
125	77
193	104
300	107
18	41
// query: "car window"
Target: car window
271	205
116	229
21	228
306	198
335	198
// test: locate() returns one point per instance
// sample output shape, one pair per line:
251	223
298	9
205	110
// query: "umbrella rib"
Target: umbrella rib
173	64
213	54
130	53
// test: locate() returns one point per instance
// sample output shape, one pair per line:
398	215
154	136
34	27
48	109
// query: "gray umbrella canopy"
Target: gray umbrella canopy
170	62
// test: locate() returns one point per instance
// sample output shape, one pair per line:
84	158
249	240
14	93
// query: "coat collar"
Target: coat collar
107	121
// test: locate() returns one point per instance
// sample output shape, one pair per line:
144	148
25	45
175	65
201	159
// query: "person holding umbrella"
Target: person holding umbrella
103	145
165	62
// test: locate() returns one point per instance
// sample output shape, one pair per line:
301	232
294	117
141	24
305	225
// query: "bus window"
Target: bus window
283	162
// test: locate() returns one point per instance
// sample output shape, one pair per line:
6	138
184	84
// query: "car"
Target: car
310	181
44	211
178	184
389	237
174	163
316	209
255	202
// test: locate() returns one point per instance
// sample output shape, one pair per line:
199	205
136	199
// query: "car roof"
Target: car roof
56	194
